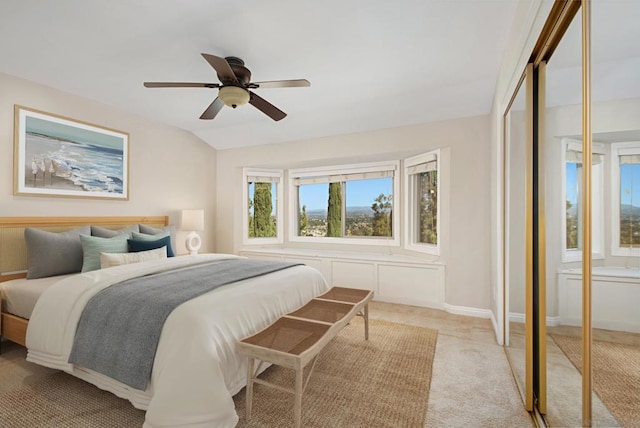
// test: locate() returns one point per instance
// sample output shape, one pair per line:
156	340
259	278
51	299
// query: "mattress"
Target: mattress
19	296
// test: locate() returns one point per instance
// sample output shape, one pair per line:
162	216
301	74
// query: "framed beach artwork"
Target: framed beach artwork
58	156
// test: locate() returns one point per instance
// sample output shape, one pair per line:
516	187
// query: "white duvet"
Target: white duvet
196	370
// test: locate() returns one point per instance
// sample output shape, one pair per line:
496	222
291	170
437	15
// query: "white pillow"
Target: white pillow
117	259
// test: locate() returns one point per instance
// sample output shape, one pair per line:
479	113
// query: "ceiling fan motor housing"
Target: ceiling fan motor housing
243	74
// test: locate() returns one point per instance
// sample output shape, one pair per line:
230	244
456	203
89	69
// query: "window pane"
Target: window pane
262	210
312	211
369	207
427	187
630	205
573	173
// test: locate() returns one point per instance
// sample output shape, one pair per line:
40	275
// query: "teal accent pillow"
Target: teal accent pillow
50	253
136	245
109	233
145	237
149	230
92	246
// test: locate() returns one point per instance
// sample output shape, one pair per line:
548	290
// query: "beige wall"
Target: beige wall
169	169
465	238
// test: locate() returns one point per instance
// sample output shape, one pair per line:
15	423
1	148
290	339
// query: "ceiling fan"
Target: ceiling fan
234	87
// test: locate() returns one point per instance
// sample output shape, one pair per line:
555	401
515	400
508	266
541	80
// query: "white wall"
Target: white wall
169	169
466	222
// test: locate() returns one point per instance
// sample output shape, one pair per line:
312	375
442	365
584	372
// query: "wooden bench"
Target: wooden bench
296	339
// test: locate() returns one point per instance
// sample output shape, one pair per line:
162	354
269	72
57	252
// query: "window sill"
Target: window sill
342	255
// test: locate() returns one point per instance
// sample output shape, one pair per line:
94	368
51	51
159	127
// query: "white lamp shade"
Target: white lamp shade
192	220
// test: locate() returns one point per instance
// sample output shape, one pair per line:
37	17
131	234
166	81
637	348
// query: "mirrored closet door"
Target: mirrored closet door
615	123
572	223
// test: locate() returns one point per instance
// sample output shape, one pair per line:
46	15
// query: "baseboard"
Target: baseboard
412	302
519	318
469	312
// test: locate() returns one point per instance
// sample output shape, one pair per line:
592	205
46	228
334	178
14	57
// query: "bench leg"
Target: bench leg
366	321
249	397
297	410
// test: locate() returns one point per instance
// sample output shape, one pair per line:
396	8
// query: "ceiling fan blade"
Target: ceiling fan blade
266	107
222	67
180	85
297	83
213	109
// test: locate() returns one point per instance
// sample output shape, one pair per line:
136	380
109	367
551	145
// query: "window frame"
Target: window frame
632	147
597	198
270	174
411	209
370	167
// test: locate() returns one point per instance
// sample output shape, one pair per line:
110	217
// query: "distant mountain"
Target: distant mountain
627	210
351	211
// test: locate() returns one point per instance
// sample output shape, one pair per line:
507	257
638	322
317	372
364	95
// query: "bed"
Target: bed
196	370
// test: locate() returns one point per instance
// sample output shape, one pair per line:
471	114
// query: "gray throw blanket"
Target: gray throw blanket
120	327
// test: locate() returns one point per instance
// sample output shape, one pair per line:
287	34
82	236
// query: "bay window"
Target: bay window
625	192
345	204
262	206
422	184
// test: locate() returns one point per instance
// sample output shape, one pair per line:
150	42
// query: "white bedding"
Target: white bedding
19	296
196	370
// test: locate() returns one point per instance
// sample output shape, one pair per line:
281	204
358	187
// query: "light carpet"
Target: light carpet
383	382
616	375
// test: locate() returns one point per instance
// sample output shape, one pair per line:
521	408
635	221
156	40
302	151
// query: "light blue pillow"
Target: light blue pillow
109	233
92	246
146	237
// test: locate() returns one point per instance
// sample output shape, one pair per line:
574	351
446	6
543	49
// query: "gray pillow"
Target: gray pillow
108	233
156	231
92	246
50	253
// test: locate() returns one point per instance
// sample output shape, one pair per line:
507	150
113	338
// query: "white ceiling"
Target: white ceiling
372	64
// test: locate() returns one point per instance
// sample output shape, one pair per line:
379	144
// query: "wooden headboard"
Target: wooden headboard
13	250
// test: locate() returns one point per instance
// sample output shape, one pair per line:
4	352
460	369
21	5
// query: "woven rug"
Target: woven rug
616	375
383	382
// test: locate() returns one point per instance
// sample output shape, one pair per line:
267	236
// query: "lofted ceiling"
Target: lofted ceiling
372	64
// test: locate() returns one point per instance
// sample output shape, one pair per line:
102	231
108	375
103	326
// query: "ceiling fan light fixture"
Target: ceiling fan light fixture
233	96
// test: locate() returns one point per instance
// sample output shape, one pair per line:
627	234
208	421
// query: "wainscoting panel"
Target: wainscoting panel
354	275
392	278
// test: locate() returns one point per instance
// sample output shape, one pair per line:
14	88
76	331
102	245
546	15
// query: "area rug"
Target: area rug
616	375
58	400
383	382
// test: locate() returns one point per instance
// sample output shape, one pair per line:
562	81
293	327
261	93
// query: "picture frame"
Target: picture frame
56	156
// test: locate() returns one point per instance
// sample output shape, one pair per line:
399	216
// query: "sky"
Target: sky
630	184
360	193
629	181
